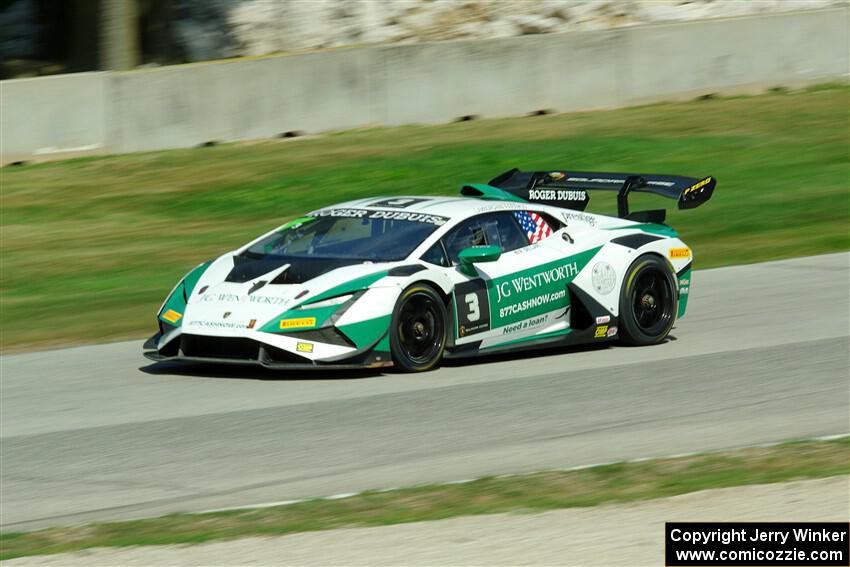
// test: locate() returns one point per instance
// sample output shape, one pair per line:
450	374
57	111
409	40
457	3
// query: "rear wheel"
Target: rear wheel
648	301
418	329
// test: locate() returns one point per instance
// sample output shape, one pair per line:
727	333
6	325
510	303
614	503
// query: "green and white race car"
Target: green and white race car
407	281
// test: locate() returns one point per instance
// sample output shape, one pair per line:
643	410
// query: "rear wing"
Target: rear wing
569	189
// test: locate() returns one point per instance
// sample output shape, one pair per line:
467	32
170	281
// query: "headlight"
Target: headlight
339	300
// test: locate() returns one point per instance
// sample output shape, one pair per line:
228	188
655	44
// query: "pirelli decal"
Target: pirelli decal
696	186
300	323
680	252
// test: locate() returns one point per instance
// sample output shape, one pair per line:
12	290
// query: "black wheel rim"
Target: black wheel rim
420	328
652	301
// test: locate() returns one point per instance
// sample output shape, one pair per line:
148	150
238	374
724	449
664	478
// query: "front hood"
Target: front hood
220	306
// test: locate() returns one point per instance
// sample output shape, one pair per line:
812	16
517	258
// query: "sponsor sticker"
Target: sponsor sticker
680	252
252	323
525	249
604	278
304	347
172	316
580	217
523	325
557	195
616	181
299	323
499	207
235	298
556	175
528	293
603	320
611	331
600	332
696	186
217	324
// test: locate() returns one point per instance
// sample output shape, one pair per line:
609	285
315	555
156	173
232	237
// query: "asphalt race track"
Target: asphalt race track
99	433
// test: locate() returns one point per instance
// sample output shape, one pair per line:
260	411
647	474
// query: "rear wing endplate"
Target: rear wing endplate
569	189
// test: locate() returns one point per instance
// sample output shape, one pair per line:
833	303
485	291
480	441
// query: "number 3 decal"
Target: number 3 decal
473	308
471	300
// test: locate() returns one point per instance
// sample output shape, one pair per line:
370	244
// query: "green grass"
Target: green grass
622	482
89	247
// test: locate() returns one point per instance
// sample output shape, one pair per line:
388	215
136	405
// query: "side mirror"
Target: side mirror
476	254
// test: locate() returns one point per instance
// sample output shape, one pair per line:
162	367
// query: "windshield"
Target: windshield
373	239
316	245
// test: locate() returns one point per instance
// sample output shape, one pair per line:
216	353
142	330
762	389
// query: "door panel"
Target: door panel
521	294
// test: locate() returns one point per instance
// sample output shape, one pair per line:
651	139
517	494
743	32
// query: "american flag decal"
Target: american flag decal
534	226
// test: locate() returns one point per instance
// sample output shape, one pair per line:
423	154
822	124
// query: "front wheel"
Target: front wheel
418	329
648	301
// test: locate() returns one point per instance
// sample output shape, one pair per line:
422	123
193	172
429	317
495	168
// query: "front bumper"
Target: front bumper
245	351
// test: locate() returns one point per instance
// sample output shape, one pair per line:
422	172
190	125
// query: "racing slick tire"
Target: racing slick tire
648	301
418	330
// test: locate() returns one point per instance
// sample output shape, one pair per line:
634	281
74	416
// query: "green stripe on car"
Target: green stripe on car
364	333
174	308
651	228
303	317
348	287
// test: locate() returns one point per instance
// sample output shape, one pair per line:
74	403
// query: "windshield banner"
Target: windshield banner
389	215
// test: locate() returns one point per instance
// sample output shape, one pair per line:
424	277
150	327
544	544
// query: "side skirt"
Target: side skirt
564	338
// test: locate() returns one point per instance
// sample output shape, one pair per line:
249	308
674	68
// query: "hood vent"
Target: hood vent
304	269
301	268
246	269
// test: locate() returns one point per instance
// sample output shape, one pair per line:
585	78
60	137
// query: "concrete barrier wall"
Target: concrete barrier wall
440	82
188	105
183	106
725	55
53	116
